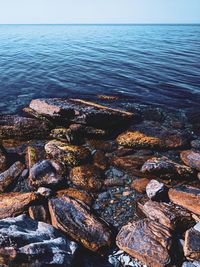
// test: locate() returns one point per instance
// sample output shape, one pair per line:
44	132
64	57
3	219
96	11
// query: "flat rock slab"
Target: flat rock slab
22	128
67	154
10	176
171	216
192	245
80	111
137	139
23	240
13	204
186	196
191	159
165	168
77	220
147	241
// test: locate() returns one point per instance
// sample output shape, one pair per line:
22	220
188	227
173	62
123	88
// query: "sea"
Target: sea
144	64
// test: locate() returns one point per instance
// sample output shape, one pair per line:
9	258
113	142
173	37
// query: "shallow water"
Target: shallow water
149	64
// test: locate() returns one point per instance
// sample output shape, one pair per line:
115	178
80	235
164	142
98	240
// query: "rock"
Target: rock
22	128
187	197
188	264
45	192
165	168
45	173
86	177
80	111
123	151
156	190
10	176
75	193
196	144
76	220
3	159
139	140
130	164
23	240
113	182
100	160
33	155
191	159
105	97
39	213
171	216
140	184
147	241
67	135
192	245
13	204
67	154
107	146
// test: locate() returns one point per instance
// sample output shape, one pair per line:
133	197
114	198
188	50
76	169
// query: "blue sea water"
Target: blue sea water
157	65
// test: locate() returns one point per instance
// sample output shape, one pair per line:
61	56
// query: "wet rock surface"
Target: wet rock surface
26	240
3	159
156	190
77	220
147	242
192	244
191	159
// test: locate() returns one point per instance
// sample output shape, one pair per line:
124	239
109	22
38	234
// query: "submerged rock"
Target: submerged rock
13	204
192	245
139	140
67	154
22	128
80	111
165	168
77	220
10	176
86	177
23	240
171	216
187	197
191	159
148	241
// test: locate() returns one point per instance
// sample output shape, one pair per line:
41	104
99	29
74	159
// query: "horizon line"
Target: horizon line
136	23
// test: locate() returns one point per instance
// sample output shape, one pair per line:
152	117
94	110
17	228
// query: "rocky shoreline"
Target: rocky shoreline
82	184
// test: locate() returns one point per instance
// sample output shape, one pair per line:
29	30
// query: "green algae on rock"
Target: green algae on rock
71	155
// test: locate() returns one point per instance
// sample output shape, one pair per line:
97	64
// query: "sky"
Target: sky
98	11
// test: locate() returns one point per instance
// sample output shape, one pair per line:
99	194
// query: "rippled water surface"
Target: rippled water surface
149	64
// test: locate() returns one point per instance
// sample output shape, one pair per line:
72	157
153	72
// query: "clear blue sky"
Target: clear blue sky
99	11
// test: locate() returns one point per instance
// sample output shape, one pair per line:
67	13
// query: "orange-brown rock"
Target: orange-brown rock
147	241
22	128
39	213
100	161
75	193
107	146
191	159
33	155
13	204
192	245
10	176
139	140
80	111
130	164
77	220
187	197
123	151
67	154
165	168
86	177
173	217
140	184
105	97
3	159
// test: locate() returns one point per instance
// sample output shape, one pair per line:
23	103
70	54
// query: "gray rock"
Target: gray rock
156	190
197	227
117	173
45	192
29	241
188	264
196	143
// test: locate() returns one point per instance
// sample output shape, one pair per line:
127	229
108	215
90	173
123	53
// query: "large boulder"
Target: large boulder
187	197
10	176
80	111
14	204
173	217
191	159
22	128
78	221
165	168
67	154
26	241
147	241
86	177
